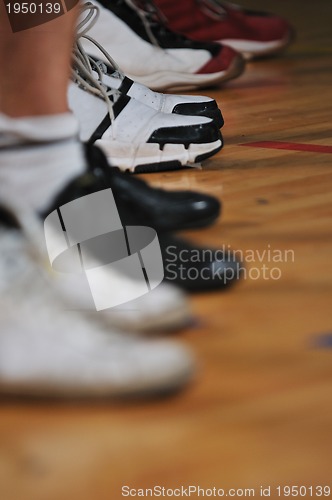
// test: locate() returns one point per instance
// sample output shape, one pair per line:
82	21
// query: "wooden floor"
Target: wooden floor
260	410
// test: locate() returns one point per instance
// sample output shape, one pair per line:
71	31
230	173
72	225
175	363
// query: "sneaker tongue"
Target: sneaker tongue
113	93
108	69
102	66
88	74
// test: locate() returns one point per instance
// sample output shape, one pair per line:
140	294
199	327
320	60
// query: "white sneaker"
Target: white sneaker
46	351
148	52
163	308
139	139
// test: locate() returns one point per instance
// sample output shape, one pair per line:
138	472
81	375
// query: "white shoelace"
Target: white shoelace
86	71
216	8
147	12
213	8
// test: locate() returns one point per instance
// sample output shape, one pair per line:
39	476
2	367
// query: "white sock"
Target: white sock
38	157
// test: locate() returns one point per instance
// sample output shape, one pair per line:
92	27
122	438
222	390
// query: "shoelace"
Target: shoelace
88	72
216	8
213	8
149	15
153	20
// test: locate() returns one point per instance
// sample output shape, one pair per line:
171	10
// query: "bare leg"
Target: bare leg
35	66
39	147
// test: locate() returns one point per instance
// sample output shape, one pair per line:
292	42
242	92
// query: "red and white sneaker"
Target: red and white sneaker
254	34
149	53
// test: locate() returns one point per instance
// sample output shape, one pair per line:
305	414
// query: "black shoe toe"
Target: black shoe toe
197	269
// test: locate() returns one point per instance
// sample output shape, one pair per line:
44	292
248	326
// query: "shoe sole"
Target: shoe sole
254	50
168	80
44	393
173	321
175	318
149	157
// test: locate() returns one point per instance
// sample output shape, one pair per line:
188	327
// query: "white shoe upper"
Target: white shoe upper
156	100
134	125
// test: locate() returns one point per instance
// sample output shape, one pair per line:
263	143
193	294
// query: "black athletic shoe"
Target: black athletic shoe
191	268
198	269
137	202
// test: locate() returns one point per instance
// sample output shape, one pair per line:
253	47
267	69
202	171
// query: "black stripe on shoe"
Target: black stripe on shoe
202	133
208	109
118	106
